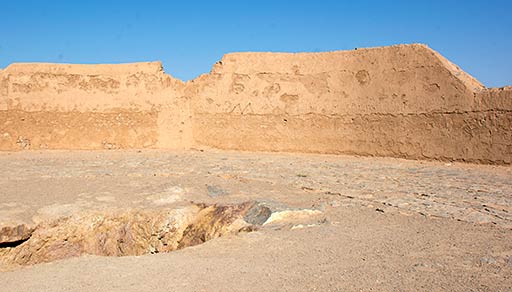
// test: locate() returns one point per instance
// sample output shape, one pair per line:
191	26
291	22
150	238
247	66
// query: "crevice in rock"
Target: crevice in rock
13	243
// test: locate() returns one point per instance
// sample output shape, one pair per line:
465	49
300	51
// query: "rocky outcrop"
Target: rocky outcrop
401	101
128	232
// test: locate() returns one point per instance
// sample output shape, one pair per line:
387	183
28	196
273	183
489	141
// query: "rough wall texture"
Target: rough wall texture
92	107
402	101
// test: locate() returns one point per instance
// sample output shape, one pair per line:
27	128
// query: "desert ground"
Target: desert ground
321	222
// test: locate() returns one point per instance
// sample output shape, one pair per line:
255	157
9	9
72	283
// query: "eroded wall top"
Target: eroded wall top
389	80
86	69
65	87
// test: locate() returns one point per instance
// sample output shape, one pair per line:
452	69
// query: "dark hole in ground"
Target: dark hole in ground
13	243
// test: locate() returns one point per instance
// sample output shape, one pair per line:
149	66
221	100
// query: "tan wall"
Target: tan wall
401	101
51	106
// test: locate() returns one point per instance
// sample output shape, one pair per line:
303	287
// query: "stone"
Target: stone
215	191
257	214
15	233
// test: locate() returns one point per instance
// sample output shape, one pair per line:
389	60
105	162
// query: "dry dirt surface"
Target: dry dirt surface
211	220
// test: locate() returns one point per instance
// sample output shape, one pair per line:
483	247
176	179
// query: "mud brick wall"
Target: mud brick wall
52	106
400	101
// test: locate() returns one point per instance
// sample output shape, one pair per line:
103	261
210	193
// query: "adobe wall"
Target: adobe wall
58	106
400	101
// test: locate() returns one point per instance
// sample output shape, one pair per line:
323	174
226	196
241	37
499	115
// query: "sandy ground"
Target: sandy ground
382	224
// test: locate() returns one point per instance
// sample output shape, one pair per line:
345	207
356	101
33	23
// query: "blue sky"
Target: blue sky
190	36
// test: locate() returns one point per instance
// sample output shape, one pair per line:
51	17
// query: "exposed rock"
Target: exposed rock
257	214
288	215
16	233
215	221
123	232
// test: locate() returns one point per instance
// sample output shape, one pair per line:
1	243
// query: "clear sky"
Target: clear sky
190	36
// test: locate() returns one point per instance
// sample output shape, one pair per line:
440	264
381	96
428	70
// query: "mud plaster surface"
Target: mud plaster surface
404	101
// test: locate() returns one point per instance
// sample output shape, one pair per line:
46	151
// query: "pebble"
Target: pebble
215	191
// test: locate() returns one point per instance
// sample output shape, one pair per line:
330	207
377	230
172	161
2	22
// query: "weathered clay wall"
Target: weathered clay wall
401	101
51	106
